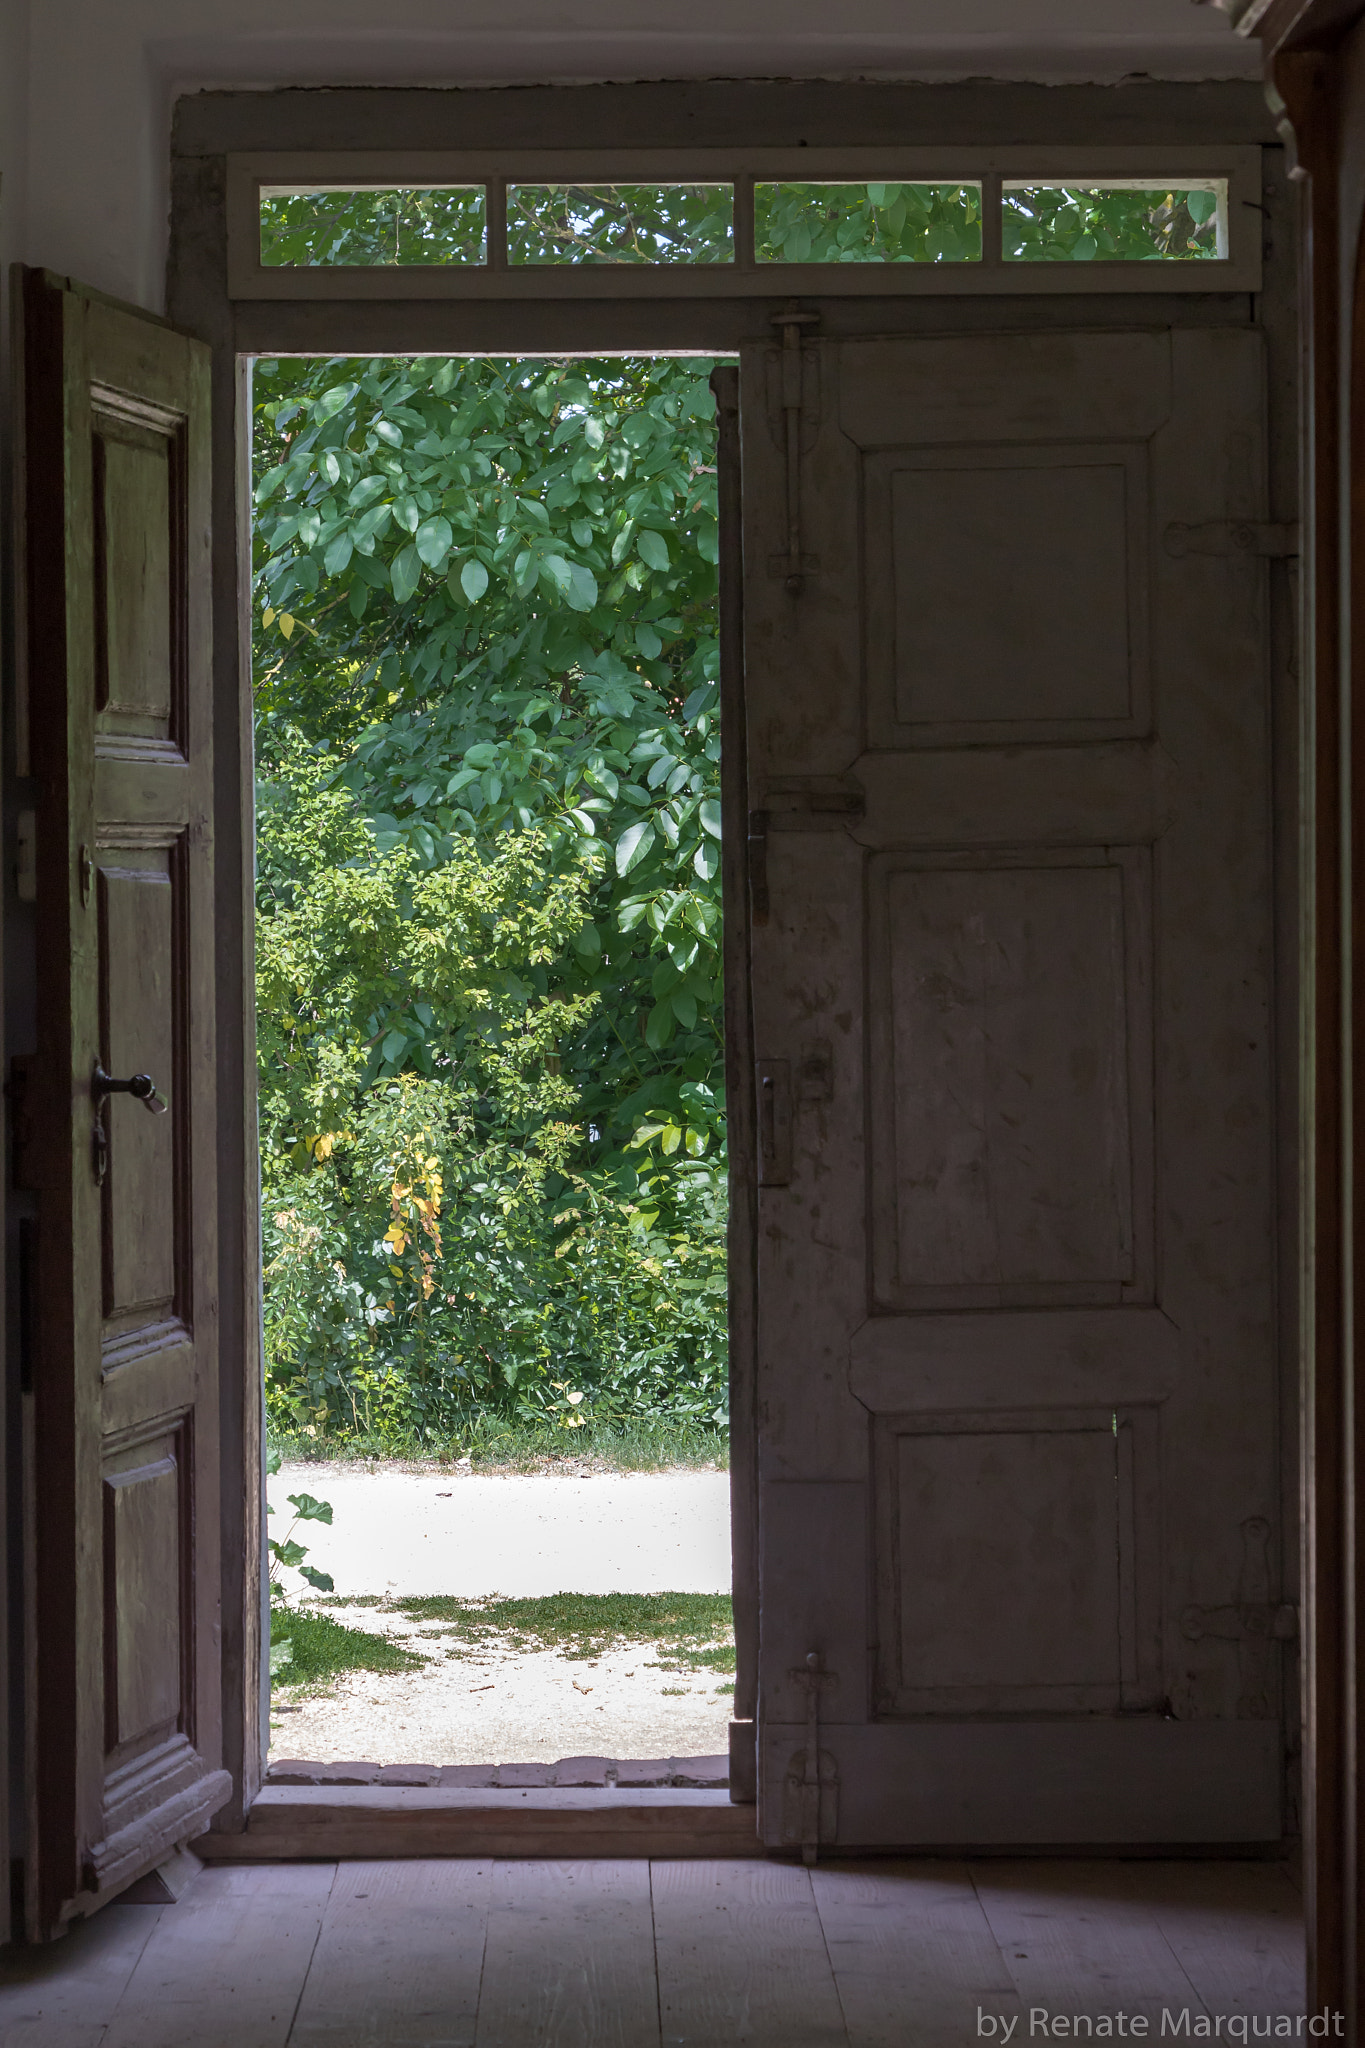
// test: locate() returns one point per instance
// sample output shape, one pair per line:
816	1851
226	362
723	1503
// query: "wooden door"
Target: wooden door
1007	701
124	1704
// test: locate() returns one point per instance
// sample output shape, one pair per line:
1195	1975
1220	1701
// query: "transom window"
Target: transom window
697	222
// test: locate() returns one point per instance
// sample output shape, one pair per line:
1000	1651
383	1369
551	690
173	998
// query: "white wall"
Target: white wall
102	74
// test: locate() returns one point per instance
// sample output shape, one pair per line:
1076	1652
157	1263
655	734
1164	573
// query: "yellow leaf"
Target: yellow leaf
268	615
286	624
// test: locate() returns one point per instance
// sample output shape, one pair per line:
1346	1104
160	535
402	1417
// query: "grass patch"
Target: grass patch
320	1649
650	1443
694	1631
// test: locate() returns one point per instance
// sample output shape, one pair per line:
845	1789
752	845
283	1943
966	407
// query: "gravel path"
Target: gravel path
403	1533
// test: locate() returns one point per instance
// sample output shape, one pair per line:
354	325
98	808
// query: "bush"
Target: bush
492	1117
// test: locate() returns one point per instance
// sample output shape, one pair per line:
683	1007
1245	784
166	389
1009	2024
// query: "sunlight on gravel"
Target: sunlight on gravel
490	1706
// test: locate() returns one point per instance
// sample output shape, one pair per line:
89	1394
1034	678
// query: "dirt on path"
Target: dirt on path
491	1706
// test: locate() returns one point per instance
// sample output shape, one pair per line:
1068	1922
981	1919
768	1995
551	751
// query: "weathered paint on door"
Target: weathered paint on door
125	1707
1008	773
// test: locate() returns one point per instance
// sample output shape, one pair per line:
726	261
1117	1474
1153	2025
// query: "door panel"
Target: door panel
1016	1373
125	1727
1006	1109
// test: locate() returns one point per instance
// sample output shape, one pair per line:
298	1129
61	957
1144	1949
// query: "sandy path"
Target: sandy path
450	1532
400	1533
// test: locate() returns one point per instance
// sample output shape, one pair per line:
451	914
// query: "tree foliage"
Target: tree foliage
867	223
1055	223
488	887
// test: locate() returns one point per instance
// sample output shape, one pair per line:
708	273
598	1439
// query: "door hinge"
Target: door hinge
810	1791
1253	1621
774	1078
791	320
760	904
799	807
26	857
1234	537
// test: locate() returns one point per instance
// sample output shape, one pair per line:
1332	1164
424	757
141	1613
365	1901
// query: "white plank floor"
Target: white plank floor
470	1954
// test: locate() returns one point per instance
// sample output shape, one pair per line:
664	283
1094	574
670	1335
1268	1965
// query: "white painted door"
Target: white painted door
1011	962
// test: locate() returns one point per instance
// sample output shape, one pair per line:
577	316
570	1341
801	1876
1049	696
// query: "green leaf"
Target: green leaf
394	1046
433	542
338	553
473	580
405	572
709	813
652	548
324	1581
310	1510
659	1028
633	845
281	1655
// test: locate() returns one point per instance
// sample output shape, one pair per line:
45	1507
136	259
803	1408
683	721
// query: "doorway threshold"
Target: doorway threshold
393	1817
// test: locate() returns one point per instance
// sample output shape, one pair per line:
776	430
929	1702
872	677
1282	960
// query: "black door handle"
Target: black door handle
141	1087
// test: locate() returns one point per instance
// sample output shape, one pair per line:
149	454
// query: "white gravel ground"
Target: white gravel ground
404	1533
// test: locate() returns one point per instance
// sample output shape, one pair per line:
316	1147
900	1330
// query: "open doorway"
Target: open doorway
489	1001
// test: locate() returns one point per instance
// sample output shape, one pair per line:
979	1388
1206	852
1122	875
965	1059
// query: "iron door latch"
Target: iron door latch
1254	1622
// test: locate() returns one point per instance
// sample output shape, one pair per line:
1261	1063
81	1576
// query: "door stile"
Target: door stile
64	1660
741	1237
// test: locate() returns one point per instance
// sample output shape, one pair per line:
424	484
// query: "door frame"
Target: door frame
212	128
1314	53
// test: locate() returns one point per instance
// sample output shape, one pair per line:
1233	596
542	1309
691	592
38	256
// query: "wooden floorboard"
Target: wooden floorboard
224	1967
399	1958
465	1953
912	1952
61	1995
1236	1929
741	1957
569	1957
1076	1938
